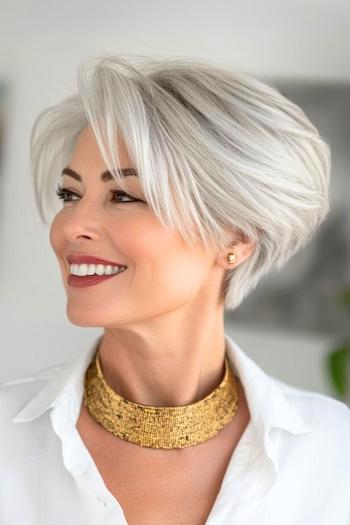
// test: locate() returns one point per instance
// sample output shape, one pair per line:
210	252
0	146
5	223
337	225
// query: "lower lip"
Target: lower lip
89	280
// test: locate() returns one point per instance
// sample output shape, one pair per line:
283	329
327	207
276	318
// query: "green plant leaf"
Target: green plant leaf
337	366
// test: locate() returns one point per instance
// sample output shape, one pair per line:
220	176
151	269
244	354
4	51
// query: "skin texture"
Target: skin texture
163	341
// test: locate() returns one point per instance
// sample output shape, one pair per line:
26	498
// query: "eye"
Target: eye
62	193
65	195
121	194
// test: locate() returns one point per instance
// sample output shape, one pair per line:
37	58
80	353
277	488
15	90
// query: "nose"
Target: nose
82	222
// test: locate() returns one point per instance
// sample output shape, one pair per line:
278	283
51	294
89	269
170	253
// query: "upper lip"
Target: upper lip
90	259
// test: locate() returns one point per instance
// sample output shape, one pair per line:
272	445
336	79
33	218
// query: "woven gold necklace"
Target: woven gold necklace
158	426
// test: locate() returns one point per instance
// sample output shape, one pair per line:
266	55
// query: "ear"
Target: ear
242	248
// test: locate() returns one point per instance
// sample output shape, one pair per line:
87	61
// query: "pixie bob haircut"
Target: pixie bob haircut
220	156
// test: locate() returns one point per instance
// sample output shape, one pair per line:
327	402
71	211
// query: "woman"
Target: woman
182	184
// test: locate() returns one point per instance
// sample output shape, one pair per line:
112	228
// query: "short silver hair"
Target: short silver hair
219	154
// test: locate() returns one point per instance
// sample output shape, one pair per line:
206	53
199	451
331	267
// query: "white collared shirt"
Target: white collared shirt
290	467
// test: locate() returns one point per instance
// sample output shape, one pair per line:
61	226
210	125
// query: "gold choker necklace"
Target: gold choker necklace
158	426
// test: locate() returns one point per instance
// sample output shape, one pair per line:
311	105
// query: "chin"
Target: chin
81	317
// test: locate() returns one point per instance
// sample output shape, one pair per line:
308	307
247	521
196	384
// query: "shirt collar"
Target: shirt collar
65	377
268	405
255	457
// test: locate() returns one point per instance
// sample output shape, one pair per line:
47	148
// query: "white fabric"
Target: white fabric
291	465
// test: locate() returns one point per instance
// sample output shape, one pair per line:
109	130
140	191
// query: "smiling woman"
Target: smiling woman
180	184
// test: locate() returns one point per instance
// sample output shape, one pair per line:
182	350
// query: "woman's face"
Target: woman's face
163	274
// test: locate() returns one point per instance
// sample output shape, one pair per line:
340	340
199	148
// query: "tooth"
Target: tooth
82	269
91	269
99	269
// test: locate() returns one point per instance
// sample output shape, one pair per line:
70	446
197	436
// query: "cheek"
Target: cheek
183	270
164	262
144	239
165	248
174	281
55	234
153	237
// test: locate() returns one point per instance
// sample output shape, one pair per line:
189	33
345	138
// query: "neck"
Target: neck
168	363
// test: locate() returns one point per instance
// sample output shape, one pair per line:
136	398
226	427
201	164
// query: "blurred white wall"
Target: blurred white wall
41	45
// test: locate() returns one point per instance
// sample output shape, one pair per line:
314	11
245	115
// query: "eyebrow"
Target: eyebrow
105	176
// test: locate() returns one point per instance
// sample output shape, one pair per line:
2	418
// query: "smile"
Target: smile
89	280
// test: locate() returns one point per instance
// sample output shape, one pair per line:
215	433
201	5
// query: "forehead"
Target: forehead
87	151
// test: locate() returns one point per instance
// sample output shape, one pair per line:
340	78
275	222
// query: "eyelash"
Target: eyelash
62	193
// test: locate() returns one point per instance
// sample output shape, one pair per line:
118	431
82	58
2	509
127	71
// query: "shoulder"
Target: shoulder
322	453
15	393
328	417
311	403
